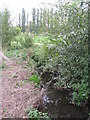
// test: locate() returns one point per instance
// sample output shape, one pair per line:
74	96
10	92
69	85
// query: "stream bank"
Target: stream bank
56	102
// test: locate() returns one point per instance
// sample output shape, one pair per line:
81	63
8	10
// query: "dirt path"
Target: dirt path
17	92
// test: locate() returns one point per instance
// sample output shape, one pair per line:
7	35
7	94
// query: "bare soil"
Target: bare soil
17	93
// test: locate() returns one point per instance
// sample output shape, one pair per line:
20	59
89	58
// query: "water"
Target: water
56	103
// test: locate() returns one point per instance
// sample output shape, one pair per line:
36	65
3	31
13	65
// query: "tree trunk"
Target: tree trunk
2	56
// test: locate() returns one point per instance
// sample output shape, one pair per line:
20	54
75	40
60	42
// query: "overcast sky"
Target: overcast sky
15	6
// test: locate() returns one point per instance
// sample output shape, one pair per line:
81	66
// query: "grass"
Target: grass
12	53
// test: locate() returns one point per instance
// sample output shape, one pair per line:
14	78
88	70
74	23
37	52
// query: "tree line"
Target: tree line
43	21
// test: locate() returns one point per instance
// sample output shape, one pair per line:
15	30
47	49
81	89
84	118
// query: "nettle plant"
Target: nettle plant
70	52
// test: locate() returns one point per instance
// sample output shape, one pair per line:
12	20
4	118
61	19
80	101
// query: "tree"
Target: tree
19	20
38	20
48	22
37	16
44	17
23	20
34	20
27	24
44	20
69	54
6	25
34	16
51	21
0	30
41	16
56	27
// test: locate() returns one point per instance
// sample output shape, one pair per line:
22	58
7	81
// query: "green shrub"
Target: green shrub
24	39
40	55
80	92
69	54
24	56
13	53
34	78
34	113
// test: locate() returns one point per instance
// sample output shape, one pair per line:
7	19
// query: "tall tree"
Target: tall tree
37	16
27	24
23	20
34	20
34	16
56	25
0	31
48	22
44	20
6	25
41	16
19	20
27	19
38	22
51	20
44	17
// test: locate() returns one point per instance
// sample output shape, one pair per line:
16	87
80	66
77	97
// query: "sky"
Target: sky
15	6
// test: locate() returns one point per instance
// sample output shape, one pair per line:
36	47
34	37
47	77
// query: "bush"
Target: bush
25	40
69	54
34	78
24	56
34	113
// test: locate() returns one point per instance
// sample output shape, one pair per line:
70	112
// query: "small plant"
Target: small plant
5	110
34	113
80	92
3	66
19	84
24	56
25	81
24	40
34	78
14	76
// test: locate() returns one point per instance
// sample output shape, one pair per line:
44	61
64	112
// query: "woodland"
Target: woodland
44	63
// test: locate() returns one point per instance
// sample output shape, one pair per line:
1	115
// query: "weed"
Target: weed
17	84
14	76
34	113
5	109
24	56
3	66
34	78
20	83
25	81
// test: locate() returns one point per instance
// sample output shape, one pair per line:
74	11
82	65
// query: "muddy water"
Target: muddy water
56	103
